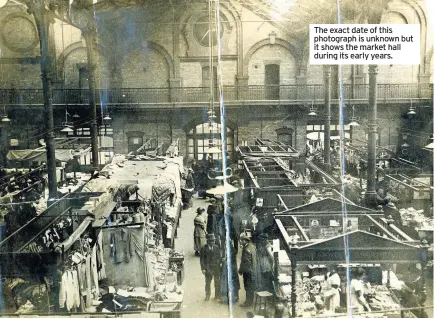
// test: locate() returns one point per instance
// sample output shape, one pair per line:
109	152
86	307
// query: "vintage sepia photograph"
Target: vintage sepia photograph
216	159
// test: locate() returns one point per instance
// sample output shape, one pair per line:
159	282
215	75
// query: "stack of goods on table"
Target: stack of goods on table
309	302
411	217
380	298
164	287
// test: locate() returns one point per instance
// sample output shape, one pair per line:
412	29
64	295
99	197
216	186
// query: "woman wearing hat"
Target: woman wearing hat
357	299
199	231
266	263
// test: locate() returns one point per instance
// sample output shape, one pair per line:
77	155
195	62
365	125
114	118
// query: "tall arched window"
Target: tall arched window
200	136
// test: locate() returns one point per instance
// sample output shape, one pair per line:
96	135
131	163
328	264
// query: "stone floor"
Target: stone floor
194	305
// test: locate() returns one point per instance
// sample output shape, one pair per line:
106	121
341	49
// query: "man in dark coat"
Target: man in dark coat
248	269
210	263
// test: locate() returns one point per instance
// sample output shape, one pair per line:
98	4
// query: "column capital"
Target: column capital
88	30
373	69
326	70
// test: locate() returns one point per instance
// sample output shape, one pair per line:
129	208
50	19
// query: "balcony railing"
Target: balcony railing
232	94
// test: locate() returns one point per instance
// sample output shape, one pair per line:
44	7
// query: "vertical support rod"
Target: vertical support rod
5	144
42	24
293	281
327	92
371	195
89	36
424	259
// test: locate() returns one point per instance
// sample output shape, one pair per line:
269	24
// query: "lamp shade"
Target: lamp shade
107	117
312	113
222	189
67	129
5	119
76	116
430	146
411	111
353	122
213	150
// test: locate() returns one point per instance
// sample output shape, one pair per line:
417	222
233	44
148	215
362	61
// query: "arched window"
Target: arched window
200	136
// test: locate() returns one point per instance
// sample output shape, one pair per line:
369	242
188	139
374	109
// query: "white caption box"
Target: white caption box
364	44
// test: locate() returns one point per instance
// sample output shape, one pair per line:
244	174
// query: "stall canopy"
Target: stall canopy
39	154
358	247
267	147
327	205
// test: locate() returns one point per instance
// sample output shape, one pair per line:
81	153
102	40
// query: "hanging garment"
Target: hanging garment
69	301
82	280
63	293
94	272
100	257
75	289
88	265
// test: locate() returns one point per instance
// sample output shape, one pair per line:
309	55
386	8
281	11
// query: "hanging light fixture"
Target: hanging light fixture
5	118
412	110
222	189
67	129
353	121
312	111
107	117
211	115
76	116
430	145
213	148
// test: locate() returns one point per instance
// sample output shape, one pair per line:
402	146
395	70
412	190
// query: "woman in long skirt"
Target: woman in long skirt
199	231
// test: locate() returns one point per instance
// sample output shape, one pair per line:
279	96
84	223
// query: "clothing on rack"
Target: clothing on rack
69	293
130	271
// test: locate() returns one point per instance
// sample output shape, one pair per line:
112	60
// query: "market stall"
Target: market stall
275	169
41	261
318	235
143	270
158	183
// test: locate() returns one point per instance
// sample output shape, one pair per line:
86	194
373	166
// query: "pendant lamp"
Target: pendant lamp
222	189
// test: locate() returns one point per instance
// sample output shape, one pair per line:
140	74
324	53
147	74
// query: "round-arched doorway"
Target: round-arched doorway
202	135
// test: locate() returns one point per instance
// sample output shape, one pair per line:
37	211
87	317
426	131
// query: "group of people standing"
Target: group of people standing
218	258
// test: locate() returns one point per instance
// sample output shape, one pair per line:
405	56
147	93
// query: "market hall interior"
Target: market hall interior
184	159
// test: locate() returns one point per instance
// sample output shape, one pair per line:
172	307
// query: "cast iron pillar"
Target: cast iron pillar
293	253
423	261
39	11
4	143
89	35
371	194
327	91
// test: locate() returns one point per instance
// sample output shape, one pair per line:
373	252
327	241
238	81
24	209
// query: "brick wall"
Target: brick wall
145	68
272	54
138	121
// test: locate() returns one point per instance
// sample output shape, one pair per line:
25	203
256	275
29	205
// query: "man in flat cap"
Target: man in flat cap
248	268
210	263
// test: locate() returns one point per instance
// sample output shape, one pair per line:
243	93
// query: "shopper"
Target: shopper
266	263
234	283
199	231
210	263
357	299
248	269
211	225
332	296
